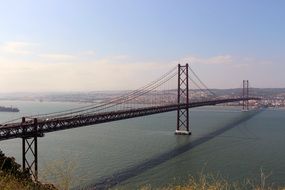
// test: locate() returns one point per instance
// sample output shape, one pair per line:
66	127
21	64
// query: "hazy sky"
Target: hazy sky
63	45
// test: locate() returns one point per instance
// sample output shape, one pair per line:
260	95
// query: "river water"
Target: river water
144	151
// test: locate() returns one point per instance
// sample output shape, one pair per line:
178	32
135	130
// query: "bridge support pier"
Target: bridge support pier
183	101
245	94
30	150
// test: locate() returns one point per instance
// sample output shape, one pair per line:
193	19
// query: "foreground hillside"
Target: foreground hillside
12	178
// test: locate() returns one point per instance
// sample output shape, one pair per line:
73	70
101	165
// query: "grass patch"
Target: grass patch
216	182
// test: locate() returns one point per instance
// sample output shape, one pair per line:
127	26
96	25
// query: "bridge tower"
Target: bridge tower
30	149
183	101
245	95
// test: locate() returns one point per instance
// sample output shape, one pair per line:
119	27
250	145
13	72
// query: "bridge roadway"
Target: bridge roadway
40	126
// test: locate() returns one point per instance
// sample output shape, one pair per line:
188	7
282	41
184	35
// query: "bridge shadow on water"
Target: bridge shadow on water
120	176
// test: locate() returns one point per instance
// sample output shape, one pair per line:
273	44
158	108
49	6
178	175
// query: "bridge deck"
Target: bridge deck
43	125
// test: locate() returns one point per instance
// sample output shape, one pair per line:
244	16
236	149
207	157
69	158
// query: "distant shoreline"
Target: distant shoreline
93	102
8	109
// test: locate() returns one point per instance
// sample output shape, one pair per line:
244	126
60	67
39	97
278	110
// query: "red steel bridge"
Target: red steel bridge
156	97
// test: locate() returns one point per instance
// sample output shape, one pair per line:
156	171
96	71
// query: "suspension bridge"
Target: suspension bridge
177	90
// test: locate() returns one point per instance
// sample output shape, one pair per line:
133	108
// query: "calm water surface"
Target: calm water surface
130	153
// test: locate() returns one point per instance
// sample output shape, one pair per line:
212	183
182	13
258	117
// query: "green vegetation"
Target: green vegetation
12	178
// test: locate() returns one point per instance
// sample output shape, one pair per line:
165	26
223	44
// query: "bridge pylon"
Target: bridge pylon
245	95
30	148
183	101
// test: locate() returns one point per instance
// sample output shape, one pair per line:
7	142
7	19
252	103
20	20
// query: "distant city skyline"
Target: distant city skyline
122	45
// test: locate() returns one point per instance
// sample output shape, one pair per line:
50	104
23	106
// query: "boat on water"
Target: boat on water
8	109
